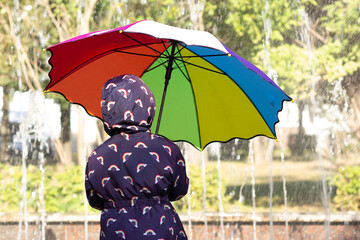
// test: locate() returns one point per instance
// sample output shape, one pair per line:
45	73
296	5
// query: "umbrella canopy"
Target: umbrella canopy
205	91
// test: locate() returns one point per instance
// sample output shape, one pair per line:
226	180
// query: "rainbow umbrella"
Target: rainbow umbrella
206	92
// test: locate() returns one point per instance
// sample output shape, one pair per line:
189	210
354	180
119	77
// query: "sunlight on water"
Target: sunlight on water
267	64
32	132
320	146
203	174
188	195
282	156
253	194
221	207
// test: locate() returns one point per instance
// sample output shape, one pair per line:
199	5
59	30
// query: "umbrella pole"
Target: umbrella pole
169	69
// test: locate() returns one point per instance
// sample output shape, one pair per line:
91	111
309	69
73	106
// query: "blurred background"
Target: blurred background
310	48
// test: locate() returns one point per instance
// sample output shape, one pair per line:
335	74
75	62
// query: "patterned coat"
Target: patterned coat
133	176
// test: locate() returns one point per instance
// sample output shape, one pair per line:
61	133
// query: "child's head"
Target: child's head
127	105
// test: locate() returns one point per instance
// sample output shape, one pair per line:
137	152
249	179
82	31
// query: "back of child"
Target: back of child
133	176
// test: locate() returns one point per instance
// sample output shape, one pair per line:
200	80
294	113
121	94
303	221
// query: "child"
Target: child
134	174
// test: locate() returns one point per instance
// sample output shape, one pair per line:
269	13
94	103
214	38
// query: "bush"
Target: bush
63	189
10	188
196	190
347	182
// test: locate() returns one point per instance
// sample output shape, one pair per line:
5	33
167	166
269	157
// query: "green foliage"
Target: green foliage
196	190
10	188
287	58
169	12
290	63
63	189
347	183
340	54
247	19
67	185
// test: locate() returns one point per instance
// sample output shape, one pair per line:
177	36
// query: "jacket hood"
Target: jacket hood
127	105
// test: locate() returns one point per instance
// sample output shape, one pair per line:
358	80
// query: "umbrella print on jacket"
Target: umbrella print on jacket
205	91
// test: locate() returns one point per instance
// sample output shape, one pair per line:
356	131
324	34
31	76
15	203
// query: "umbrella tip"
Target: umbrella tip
229	54
44	49
277	140
121	31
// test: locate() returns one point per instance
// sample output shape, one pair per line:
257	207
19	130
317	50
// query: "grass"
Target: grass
303	185
303	177
234	172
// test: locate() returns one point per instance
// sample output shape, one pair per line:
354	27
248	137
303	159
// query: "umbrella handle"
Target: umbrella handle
167	79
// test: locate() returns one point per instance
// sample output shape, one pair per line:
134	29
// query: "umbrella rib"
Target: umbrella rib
150	69
161	64
178	67
105	53
161	56
193	94
145	45
177	52
166	48
182	47
202	56
139	54
257	109
166	57
211	70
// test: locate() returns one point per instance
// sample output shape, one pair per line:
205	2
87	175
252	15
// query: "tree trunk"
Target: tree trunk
261	156
351	84
5	130
101	134
80	137
301	130
196	9
300	138
65	153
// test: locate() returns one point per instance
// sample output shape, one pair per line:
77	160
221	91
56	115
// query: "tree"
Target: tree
339	60
5	81
70	19
313	48
22	66
25	41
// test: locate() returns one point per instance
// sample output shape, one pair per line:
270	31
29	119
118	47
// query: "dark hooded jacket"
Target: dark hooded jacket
133	175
